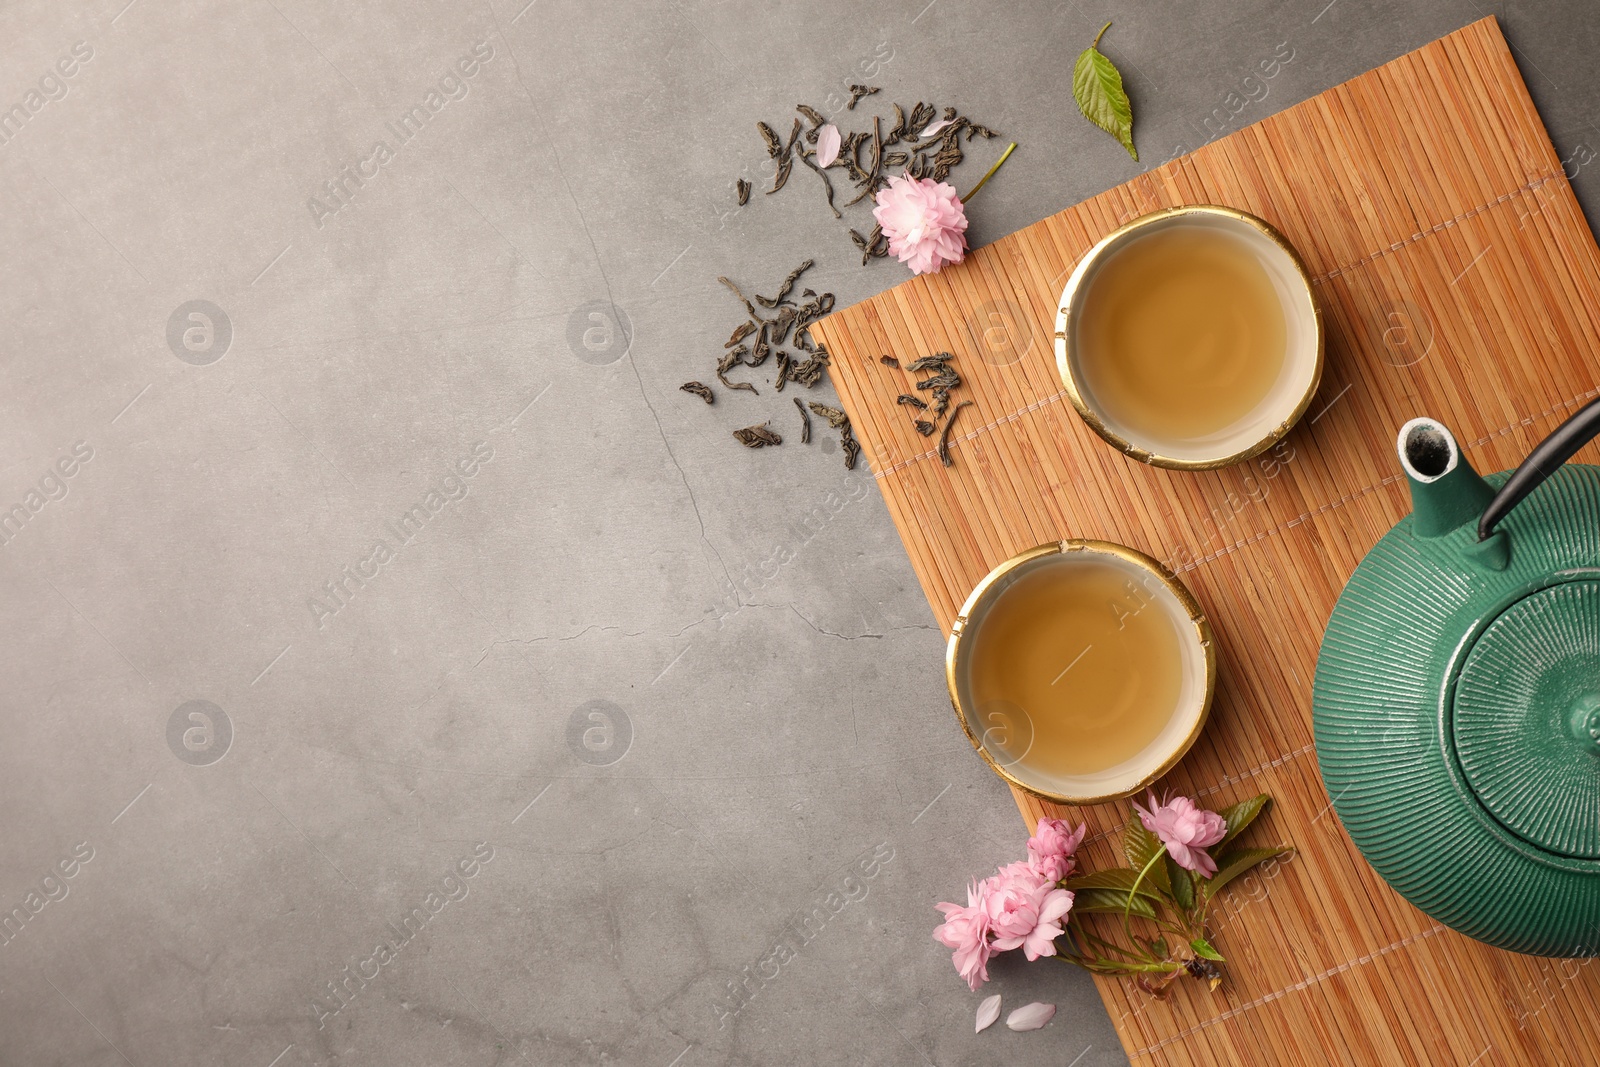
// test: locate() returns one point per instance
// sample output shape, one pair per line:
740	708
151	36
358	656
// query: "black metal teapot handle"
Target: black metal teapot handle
1542	462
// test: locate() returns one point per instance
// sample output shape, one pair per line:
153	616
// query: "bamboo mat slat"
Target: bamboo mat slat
1458	279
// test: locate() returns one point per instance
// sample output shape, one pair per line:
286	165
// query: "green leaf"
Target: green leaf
1112	902
1203	949
1097	87
1239	816
1157	946
1182	885
1118	878
1139	844
1233	863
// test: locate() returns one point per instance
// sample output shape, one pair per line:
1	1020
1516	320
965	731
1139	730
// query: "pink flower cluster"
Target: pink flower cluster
1022	905
1186	830
924	221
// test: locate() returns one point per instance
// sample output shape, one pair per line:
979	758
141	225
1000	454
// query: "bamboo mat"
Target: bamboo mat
1459	280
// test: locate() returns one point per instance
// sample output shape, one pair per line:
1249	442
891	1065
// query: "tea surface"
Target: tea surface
1182	333
1091	659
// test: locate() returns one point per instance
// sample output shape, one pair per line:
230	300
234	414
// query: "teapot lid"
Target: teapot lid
1526	718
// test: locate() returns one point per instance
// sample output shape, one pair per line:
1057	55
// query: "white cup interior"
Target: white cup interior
1004	731
1277	407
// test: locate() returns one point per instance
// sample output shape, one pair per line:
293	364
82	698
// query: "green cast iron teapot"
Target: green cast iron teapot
1457	696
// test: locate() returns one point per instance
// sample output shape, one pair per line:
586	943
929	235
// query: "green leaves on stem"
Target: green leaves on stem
1097	87
1154	888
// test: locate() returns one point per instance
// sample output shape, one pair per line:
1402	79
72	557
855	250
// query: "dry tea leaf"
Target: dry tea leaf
805	420
757	436
944	457
857	92
751	308
809	373
744	192
924	427
851	448
785	159
1097	87
770	136
835	417
788	284
907	400
778	328
889	361
811	114
826	184
700	390
745	330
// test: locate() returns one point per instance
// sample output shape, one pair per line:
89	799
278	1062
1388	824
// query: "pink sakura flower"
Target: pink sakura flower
1025	910
1186	830
966	930
924	221
1051	848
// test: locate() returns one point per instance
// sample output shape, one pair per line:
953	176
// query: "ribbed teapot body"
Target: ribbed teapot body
1457	719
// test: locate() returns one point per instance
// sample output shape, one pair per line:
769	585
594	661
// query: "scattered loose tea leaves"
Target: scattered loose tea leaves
744	192
852	448
835	417
770	136
757	436
778	328
828	185
809	373
889	361
1097	88
785	159
700	390
785	362
924	427
907	400
857	92
805	422
758	354
788	284
944	438
751	308
930	147
745	330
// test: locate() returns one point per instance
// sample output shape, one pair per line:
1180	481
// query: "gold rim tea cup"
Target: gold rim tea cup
1002	735
1286	400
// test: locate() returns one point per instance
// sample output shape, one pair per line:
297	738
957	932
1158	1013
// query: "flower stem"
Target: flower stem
1137	882
1099	35
983	180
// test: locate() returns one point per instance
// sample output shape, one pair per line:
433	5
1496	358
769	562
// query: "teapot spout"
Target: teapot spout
1446	493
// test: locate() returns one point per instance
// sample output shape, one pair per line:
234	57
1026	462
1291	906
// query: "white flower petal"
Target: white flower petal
1031	1016
828	142
934	127
988	1012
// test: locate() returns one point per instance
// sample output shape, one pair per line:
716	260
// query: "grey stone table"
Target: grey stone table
395	667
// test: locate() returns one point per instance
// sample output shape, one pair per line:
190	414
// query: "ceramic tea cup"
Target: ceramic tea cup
1202	398
1081	670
